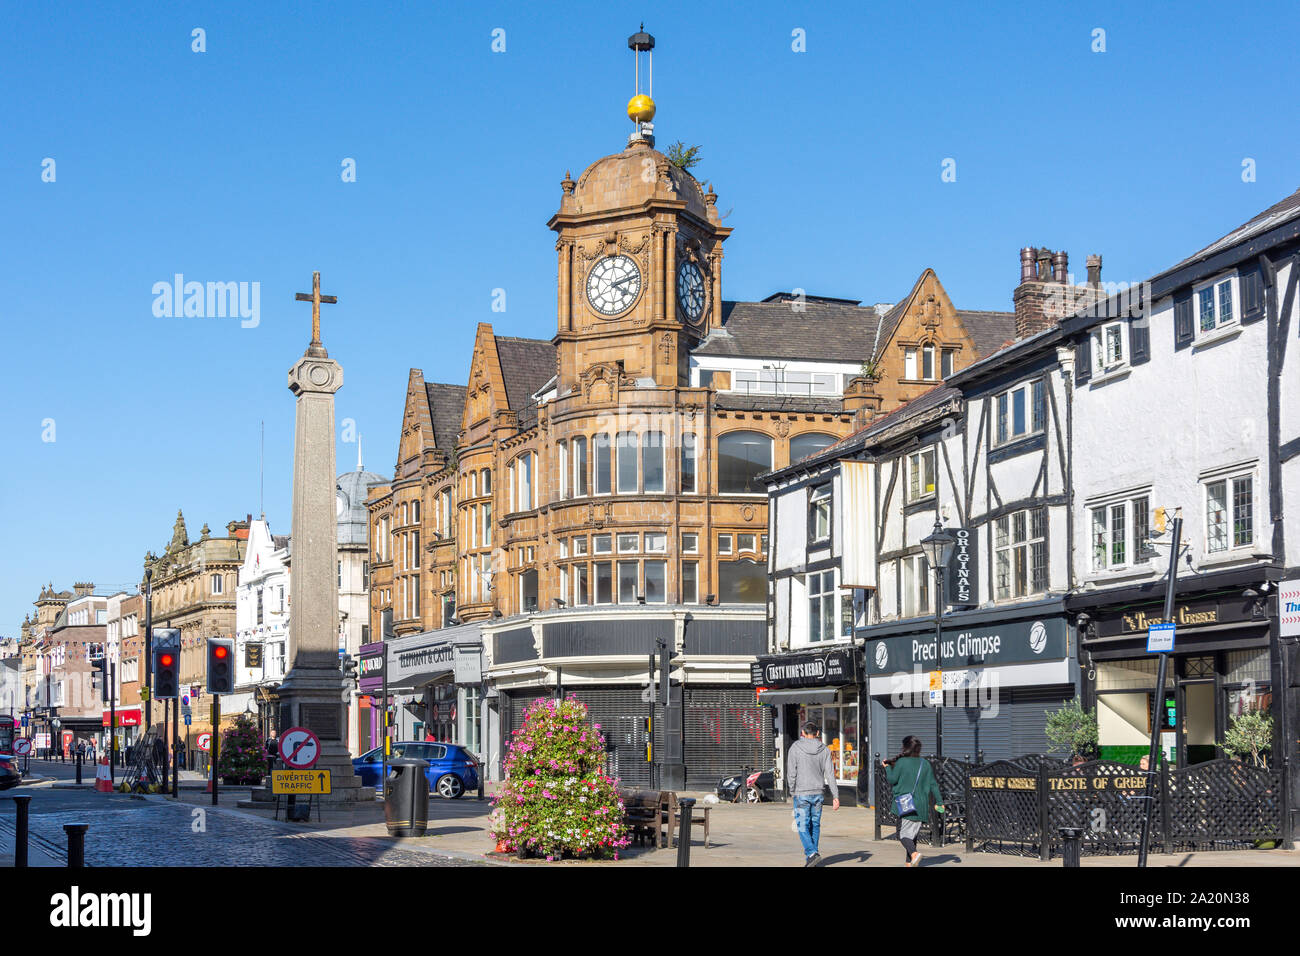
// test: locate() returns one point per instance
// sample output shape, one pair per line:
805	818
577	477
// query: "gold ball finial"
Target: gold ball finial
640	109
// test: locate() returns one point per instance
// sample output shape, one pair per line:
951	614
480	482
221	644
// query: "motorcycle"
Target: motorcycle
749	786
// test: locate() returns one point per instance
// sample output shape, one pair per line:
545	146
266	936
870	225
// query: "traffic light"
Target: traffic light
166	673
104	689
221	665
349	668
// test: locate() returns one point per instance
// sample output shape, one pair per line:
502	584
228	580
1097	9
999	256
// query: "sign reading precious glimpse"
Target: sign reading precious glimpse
822	668
1007	642
961	577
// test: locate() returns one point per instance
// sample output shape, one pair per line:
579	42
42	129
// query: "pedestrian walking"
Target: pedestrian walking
911	781
808	772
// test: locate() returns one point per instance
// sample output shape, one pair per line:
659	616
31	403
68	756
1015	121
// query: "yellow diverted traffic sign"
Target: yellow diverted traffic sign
300	782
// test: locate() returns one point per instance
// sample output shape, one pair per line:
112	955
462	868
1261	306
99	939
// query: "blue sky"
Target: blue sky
225	166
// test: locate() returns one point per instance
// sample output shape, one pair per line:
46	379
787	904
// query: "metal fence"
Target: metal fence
1020	805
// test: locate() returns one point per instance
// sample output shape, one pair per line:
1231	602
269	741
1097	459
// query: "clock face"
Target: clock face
690	291
613	285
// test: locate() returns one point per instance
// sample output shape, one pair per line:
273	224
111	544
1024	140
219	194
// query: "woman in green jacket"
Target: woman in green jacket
910	773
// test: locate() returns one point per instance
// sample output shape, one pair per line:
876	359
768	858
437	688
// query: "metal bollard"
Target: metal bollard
78	769
76	844
687	805
20	831
1072	848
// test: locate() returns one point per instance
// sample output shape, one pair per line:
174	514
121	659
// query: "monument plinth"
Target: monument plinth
312	692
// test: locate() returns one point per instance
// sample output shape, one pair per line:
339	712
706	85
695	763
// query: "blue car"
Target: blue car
452	768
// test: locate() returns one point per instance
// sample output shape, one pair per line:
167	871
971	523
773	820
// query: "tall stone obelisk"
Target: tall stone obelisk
311	694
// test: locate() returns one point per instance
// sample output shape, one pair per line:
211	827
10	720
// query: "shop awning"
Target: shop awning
797	695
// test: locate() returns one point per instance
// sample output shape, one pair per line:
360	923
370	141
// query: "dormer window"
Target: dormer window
1215	305
1108	348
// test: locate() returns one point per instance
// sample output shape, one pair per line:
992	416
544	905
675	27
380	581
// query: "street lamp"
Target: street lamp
938	548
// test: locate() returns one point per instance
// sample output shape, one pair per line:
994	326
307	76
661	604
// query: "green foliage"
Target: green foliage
242	753
683	156
1250	733
1072	729
557	799
871	368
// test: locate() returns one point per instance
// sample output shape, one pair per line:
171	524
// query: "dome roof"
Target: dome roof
353	518
619	181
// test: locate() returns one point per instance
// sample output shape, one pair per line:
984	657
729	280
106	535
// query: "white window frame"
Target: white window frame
1127	509
820	503
1035	413
914	461
1219	319
690	542
910	363
820	599
562	454
629	538
1231	481
689	452
1109	348
1011	545
916	579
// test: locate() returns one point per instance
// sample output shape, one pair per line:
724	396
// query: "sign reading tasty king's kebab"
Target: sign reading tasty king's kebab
827	668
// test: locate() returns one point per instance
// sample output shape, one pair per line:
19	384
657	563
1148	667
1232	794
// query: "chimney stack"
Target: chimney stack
1094	271
82	588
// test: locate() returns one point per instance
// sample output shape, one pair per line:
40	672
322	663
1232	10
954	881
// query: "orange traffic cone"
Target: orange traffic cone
103	777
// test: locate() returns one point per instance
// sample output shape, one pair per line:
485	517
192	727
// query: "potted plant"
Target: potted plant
242	760
1072	729
557	800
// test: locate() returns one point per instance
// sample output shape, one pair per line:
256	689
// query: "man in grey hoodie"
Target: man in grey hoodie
808	769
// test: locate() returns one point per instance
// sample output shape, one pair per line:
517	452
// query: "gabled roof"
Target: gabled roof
526	365
1272	217
988	330
446	406
826	330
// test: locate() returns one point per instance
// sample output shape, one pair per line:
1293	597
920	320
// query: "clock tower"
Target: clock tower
640	258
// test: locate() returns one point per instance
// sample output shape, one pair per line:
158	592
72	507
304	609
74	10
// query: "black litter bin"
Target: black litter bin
406	797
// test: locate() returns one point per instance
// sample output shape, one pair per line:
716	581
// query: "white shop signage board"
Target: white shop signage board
1288	607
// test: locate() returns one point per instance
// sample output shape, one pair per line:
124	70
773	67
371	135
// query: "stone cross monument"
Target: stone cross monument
311	695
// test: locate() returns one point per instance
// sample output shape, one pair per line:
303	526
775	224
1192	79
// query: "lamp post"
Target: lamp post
938	548
148	646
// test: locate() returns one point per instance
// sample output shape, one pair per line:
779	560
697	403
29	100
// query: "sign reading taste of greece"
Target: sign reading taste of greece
828	668
1014	642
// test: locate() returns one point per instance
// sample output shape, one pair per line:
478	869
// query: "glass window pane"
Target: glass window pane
580	593
580	467
909	363
1216	515
627	582
742	582
801	446
656	543
690	544
741	457
1225	301
1243	521
1018	412
656	582
745	542
688	463
1206	297
580	545
604	479
947	362
652	461
927	460
628	542
562	457
690	582
626	448
604	582
1040	407
1100	544
1118	536
724	544
927	362
602	544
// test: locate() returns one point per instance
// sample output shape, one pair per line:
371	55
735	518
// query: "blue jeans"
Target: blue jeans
808	817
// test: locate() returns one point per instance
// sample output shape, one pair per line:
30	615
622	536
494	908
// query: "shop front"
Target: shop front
821	685
1222	667
372	659
435	680
983	688
125	732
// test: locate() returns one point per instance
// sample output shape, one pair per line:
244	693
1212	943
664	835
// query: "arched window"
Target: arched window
604	472
562	467
801	446
742	456
580	467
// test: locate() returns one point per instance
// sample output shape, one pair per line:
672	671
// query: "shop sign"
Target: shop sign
1188	615
253	655
1013	642
370	666
1288	603
961	576
828	668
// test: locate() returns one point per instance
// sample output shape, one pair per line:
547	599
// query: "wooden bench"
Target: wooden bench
671	818
641	812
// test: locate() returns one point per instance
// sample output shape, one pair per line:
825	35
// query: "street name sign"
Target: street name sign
1160	638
